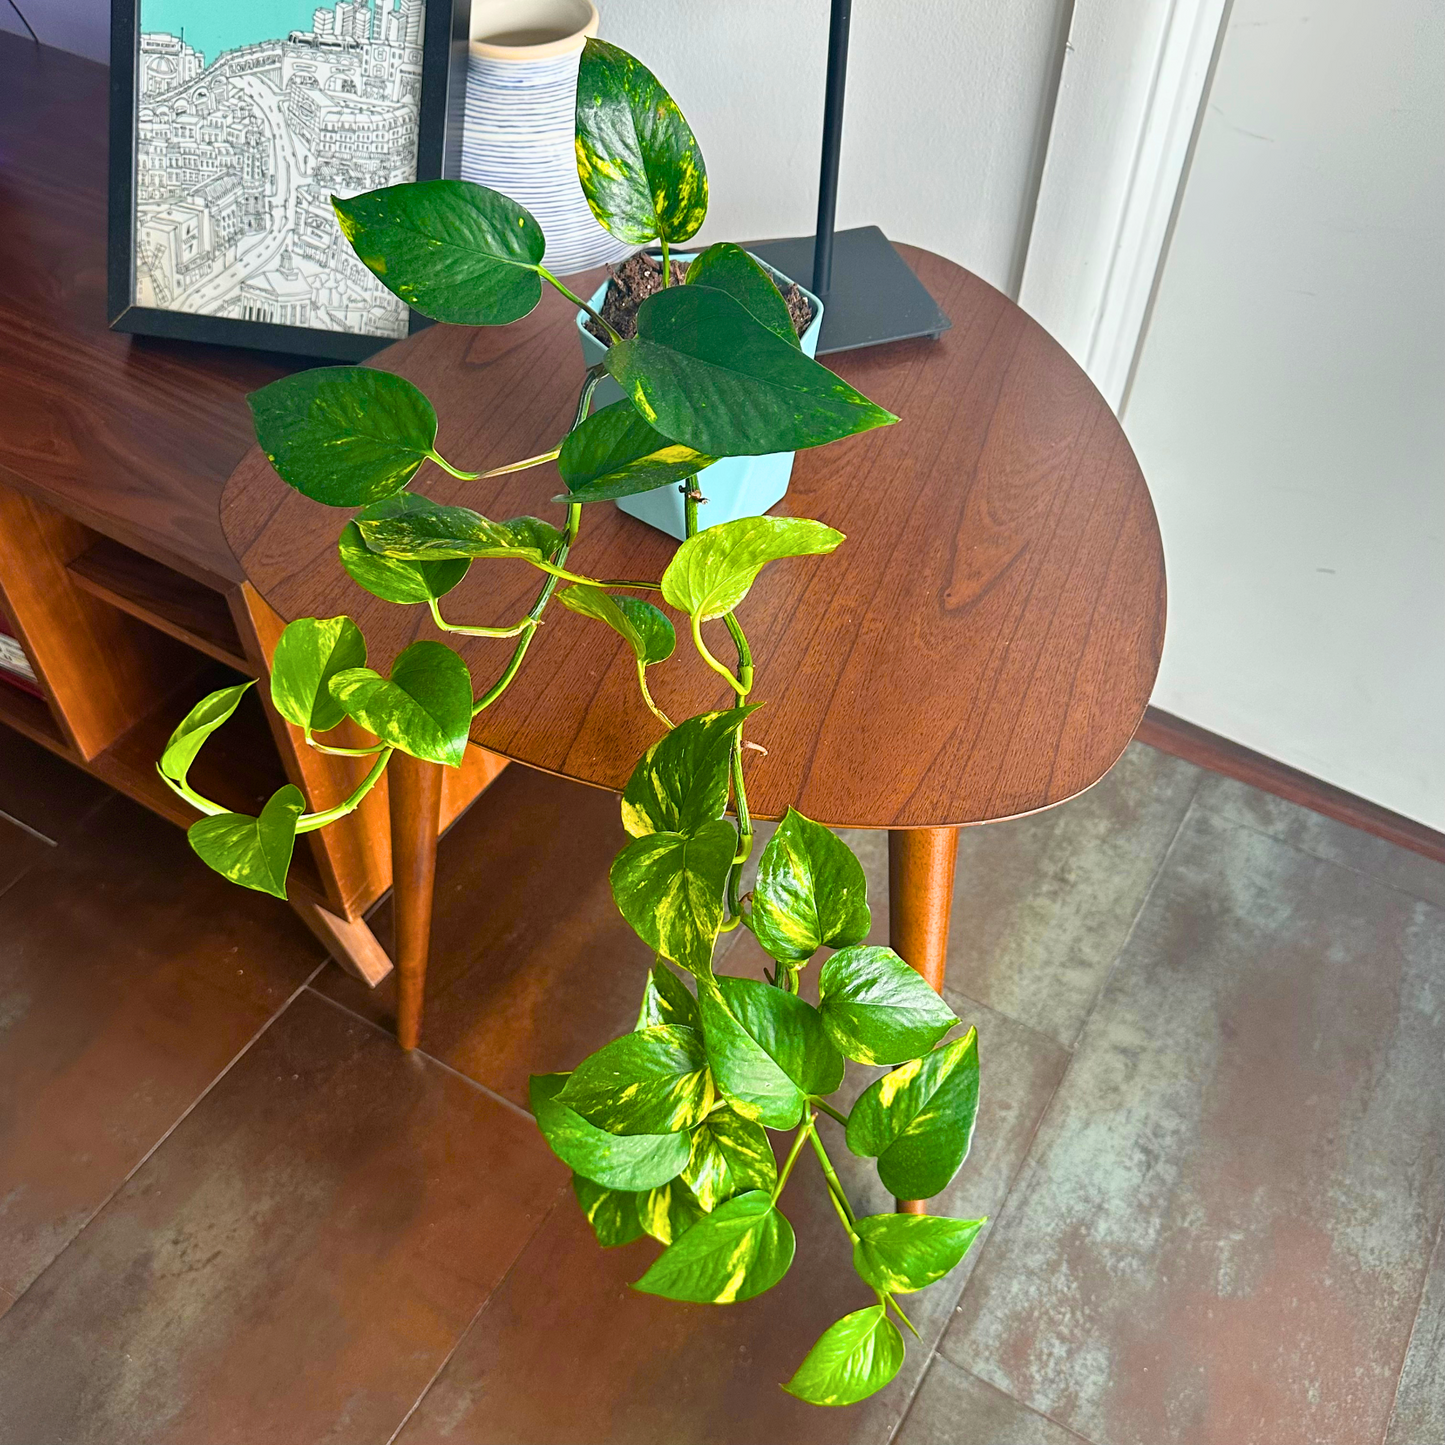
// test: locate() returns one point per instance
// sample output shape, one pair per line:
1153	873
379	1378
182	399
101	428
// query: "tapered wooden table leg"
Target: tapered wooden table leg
415	790
920	900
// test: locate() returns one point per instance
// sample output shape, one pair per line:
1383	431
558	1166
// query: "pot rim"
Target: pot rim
548	50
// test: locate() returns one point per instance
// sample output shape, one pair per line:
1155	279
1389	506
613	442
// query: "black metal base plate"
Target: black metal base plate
874	297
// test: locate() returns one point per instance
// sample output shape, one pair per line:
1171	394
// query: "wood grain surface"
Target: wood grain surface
983	645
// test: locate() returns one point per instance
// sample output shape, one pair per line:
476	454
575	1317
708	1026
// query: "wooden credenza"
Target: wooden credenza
113	570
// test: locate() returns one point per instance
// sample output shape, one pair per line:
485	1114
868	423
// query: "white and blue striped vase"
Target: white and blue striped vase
521	116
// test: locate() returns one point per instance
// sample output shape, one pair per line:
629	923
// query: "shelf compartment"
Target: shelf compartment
31	715
167	600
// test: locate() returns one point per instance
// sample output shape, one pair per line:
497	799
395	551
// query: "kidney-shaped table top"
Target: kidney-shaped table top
982	645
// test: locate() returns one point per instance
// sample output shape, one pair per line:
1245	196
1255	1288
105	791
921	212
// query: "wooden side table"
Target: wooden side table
982	646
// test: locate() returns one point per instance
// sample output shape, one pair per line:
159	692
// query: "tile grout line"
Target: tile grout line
1071	1050
1435	1256
421	1053
177	1122
463	1333
1320	857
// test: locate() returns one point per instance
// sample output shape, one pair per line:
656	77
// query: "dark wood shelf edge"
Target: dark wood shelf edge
1197	745
32	716
161	597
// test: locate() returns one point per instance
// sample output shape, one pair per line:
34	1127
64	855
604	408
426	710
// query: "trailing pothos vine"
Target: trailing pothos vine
667	1128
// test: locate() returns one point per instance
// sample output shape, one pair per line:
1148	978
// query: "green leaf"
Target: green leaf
417	530
614	453
704	372
877	1009
730	1154
639	163
311	651
669	887
918	1121
669	1211
197	725
810	892
390	578
344	435
726	267
681	781
254	852
853	1359
654	1081
612	1213
630	1162
425	709
649	634
739	1250
899	1253
768	1049
712	572
667	1000
452	249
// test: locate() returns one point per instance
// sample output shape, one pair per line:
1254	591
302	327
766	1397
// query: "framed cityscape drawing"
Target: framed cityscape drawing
233	123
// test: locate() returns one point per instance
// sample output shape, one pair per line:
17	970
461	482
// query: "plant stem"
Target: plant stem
547	276
342	752
652	707
801	1138
518	466
831	1112
184	790
689	508
891	1301
446	466
834	1183
436	612
745	653
666	265
711	661
310	822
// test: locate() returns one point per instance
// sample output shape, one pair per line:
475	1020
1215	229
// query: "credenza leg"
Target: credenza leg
920	900
415	790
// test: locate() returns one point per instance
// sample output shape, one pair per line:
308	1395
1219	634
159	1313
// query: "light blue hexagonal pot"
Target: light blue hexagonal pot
735	487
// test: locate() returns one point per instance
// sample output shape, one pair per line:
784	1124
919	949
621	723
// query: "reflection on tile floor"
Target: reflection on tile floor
1212	1146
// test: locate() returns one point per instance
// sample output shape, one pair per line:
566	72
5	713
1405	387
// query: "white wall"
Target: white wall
1289	402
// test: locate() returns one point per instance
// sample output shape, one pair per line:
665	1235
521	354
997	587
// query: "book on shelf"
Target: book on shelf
15	667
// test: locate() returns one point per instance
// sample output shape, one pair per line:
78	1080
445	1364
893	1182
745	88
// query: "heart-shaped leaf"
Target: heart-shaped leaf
712	572
654	1081
877	1009
639	163
614	453
452	249
344	435
197	725
899	1253
726	267
669	887
681	781
390	578
853	1359
425	708
421	531
730	1155
704	371
918	1121
667	1000
649	634
669	1211
810	893
767	1048
254	852
739	1250
616	1161
612	1213
310	652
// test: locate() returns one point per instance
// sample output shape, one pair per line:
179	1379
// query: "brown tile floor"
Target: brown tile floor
1212	1143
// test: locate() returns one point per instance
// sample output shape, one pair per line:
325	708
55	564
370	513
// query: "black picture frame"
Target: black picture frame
443	97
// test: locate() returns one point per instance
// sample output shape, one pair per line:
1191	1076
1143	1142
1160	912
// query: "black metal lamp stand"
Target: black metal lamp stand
869	293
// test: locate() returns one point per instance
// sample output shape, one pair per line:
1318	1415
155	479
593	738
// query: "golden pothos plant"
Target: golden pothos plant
667	1128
